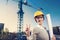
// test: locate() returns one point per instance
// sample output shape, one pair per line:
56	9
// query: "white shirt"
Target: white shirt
39	33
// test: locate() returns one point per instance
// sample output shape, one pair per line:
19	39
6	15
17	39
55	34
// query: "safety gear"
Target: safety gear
37	13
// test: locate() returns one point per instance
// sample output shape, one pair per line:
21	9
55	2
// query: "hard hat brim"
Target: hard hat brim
39	15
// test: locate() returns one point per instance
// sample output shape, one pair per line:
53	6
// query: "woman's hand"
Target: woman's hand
27	31
53	38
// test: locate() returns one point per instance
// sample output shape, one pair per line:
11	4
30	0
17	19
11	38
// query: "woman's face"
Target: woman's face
39	20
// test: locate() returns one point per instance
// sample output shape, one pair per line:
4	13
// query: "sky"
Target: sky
8	13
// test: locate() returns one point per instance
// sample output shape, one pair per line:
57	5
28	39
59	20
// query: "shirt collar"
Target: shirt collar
40	26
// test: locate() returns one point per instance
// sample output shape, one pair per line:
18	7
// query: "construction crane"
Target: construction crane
21	14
